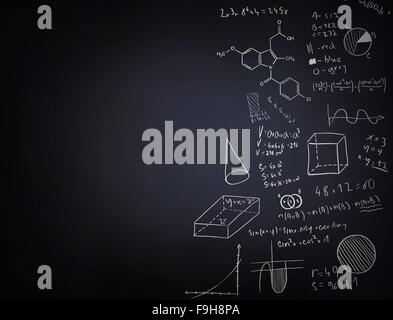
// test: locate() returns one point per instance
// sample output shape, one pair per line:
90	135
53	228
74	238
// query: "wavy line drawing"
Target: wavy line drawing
353	120
375	206
371	210
371	206
358	252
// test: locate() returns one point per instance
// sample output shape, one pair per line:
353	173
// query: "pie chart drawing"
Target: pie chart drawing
357	42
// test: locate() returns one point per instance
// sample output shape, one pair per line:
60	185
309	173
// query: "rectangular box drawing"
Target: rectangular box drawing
226	217
327	154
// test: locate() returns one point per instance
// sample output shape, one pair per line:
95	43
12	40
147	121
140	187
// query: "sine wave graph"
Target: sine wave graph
361	114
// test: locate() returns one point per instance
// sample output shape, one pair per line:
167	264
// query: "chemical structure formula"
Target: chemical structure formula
252	59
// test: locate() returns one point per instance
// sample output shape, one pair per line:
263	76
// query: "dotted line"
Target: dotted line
316	150
210	222
327	165
236	210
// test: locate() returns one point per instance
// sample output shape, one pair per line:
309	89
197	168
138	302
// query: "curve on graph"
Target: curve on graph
218	284
278	277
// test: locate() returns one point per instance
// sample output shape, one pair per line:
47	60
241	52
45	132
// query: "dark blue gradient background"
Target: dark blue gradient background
77	194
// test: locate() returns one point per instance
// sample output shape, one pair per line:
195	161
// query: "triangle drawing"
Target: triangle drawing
365	38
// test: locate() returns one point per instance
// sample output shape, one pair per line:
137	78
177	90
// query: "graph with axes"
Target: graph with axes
361	114
215	290
278	270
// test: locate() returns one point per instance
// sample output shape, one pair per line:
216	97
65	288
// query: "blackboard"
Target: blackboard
96	189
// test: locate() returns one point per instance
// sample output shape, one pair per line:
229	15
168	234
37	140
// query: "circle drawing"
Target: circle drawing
291	201
357	252
357	42
298	200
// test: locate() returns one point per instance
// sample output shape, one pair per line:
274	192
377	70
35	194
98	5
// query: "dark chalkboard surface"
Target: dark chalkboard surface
222	151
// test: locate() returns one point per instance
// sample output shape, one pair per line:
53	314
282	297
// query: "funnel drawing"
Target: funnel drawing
234	175
278	270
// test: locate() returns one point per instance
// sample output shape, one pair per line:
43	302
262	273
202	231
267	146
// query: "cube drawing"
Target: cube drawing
327	153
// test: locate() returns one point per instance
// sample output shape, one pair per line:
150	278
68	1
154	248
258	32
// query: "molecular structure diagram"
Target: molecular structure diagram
252	59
